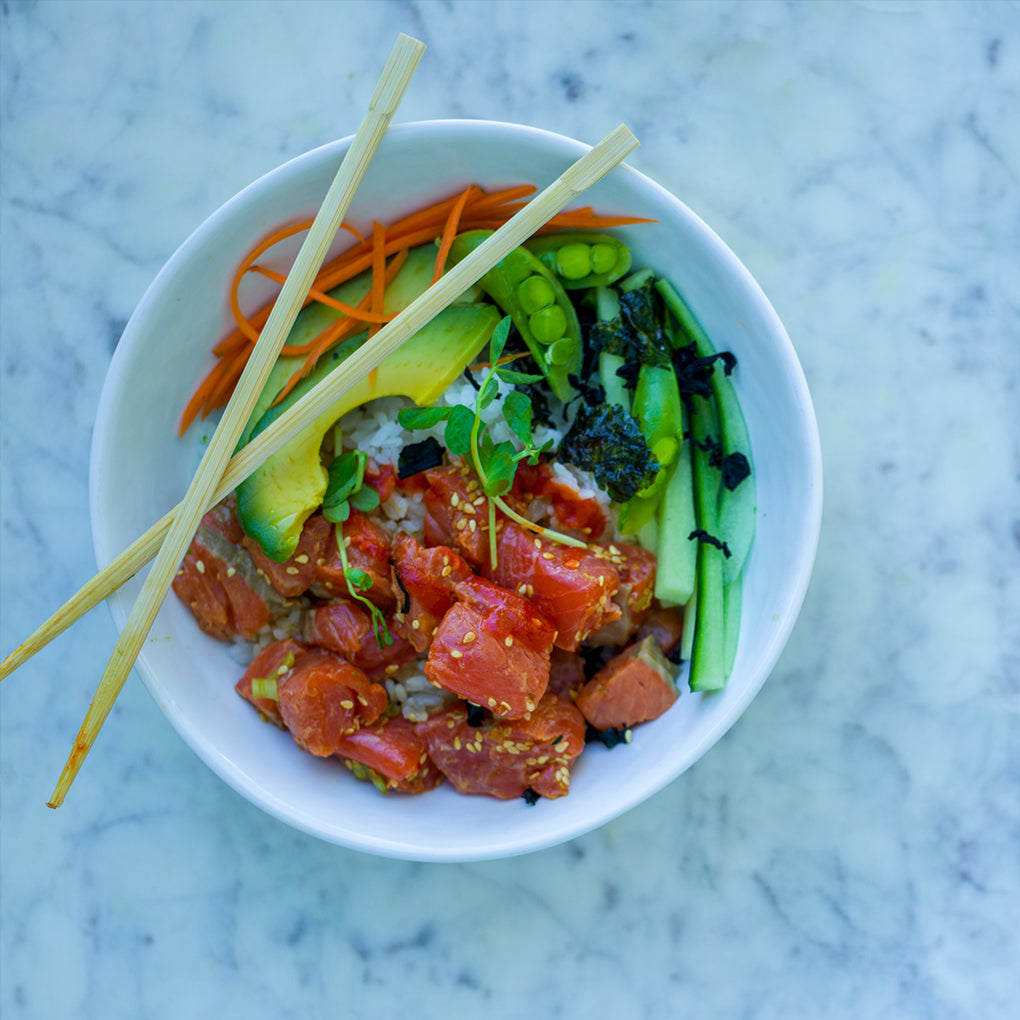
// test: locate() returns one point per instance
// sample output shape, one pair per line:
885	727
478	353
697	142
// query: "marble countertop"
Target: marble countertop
852	847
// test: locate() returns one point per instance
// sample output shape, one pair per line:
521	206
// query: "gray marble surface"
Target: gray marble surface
852	847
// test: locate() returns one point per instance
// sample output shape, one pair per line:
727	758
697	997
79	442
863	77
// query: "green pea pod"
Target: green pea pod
532	296
581	258
659	412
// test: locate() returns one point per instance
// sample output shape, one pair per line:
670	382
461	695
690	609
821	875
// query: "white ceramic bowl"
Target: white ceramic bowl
136	451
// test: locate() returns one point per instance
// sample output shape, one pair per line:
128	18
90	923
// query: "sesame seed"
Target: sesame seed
456	743
303	558
447	571
492	702
415	625
468	508
293	570
461	524
454	500
547	556
472	526
469	637
200	566
454	654
508	640
347	704
231	571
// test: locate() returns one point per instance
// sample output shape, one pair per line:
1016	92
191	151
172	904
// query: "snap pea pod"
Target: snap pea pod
736	507
658	411
582	259
532	296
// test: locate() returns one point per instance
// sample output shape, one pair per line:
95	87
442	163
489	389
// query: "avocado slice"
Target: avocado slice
274	502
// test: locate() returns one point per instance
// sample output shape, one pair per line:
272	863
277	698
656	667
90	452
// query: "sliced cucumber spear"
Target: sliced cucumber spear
736	507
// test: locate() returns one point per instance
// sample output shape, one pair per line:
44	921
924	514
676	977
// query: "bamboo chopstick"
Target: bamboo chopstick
126	564
390	90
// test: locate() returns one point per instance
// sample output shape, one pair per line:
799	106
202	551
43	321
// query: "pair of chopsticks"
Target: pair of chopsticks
219	473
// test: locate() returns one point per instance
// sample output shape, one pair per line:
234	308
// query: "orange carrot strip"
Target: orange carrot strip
205	387
378	272
450	231
324	299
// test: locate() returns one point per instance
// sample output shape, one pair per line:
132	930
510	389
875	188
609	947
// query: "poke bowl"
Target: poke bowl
192	673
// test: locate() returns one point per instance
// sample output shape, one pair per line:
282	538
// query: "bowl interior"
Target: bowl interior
140	469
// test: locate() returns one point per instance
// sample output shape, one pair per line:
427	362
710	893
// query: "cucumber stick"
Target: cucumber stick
708	657
736	507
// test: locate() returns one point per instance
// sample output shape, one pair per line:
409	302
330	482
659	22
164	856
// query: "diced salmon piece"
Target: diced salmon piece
424	582
346	628
217	581
636	567
635	686
294	576
506	757
324	697
571	586
339	626
581	516
492	647
396	754
457	513
275	661
368	550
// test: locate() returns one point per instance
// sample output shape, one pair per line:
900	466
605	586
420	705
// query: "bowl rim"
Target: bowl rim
800	567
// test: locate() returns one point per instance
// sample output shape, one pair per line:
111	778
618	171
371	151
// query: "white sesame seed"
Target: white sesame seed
200	566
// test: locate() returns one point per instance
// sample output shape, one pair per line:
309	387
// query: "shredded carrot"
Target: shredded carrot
324	299
382	253
378	273
450	231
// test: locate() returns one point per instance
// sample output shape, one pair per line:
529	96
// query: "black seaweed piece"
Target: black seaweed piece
674	656
610	737
417	457
406	608
735	469
530	797
694	374
644	310
637	333
476	715
607	441
703	536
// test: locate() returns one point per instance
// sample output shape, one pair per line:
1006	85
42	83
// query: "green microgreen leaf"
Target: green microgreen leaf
499	469
508	375
365	499
458	430
337	514
422	417
498	340
489	391
346	475
358	578
517	411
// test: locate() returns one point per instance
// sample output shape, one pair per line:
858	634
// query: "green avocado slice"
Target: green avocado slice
274	502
